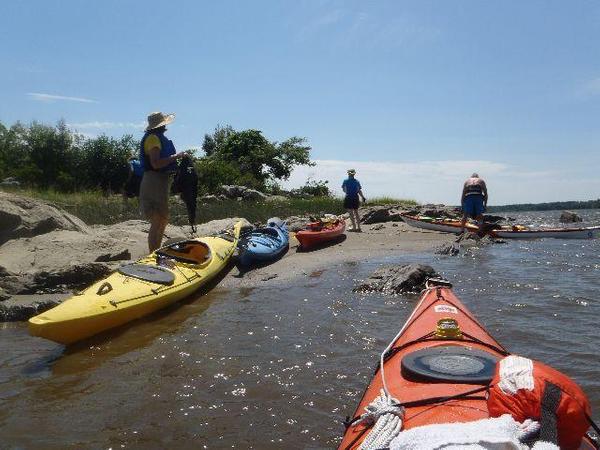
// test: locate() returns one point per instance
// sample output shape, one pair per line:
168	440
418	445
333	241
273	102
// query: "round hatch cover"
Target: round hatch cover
451	364
145	272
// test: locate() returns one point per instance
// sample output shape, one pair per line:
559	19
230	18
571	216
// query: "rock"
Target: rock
220	225
232	191
441	211
27	217
448	248
378	226
22	308
253	194
570	217
400	279
296	223
276	198
119	256
10	182
3	295
379	214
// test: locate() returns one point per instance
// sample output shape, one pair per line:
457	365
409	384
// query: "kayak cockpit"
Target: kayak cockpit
186	252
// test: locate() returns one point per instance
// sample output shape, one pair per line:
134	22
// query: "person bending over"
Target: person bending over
352	188
474	200
158	158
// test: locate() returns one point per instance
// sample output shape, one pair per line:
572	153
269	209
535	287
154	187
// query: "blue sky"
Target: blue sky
415	95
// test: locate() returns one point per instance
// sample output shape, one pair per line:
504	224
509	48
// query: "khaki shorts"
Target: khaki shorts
154	195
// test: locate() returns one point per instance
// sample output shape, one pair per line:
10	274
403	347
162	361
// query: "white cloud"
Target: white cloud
52	98
106	125
441	181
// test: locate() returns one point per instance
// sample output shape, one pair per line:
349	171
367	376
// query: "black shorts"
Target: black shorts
351	202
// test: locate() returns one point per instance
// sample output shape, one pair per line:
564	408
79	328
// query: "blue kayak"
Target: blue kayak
264	244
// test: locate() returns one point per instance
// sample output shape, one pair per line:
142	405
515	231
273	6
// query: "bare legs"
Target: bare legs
158	223
354	219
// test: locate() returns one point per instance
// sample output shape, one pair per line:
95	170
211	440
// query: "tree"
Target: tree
259	161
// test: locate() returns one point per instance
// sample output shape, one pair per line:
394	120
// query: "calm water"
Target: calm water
279	368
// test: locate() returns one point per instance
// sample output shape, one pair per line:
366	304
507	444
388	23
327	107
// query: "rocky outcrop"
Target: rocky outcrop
26	217
400	279
10	182
241	193
296	223
570	217
62	280
379	214
22	308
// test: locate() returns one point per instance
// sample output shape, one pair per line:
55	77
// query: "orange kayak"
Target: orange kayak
318	233
439	327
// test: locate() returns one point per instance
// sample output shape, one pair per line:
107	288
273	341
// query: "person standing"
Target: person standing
352	188
158	157
474	200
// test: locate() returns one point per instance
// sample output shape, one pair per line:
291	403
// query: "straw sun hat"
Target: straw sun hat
158	119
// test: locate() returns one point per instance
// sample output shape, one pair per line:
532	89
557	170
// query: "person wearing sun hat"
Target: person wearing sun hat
158	158
352	188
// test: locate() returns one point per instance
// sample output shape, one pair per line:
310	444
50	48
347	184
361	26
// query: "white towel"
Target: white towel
501	433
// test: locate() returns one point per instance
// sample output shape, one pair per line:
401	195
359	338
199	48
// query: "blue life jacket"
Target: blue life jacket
166	149
136	167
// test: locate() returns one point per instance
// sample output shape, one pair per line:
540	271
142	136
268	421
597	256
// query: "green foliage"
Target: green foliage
48	157
313	188
257	161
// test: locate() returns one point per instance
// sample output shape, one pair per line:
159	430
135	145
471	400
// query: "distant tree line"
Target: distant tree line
589	204
55	157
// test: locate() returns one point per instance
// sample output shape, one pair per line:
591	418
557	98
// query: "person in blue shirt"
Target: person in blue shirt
353	190
134	178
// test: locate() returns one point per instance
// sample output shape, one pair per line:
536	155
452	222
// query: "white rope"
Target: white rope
387	418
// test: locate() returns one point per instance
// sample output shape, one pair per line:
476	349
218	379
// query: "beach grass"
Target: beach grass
95	207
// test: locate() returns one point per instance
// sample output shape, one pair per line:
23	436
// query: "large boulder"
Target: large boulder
570	217
22	308
297	223
379	214
400	279
27	217
10	182
232	191
60	280
254	195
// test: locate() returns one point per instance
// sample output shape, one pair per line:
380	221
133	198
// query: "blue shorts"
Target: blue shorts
473	205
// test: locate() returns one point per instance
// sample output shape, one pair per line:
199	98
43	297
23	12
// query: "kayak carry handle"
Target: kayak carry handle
104	288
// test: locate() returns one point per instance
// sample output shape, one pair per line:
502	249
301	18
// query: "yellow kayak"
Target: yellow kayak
135	290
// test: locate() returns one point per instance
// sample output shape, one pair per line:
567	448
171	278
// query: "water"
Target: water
279	368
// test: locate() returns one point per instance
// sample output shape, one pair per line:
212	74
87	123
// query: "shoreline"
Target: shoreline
387	239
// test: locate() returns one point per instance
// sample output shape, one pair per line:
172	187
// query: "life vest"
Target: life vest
473	189
166	149
518	388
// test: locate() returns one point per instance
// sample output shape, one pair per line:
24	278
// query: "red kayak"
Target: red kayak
318	233
437	370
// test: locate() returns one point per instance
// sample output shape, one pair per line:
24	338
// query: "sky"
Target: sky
415	95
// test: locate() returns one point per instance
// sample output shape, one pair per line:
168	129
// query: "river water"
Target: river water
279	367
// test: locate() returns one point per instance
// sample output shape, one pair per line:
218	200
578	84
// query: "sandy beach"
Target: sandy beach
376	241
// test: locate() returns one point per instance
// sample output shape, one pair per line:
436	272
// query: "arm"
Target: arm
462	196
158	162
485	193
362	196
344	187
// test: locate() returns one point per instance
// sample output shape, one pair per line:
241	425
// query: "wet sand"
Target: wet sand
392	238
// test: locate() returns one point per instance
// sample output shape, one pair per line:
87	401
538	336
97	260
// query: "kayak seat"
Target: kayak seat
187	252
145	272
449	364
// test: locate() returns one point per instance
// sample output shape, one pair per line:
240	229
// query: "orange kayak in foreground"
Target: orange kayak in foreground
318	233
439	327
